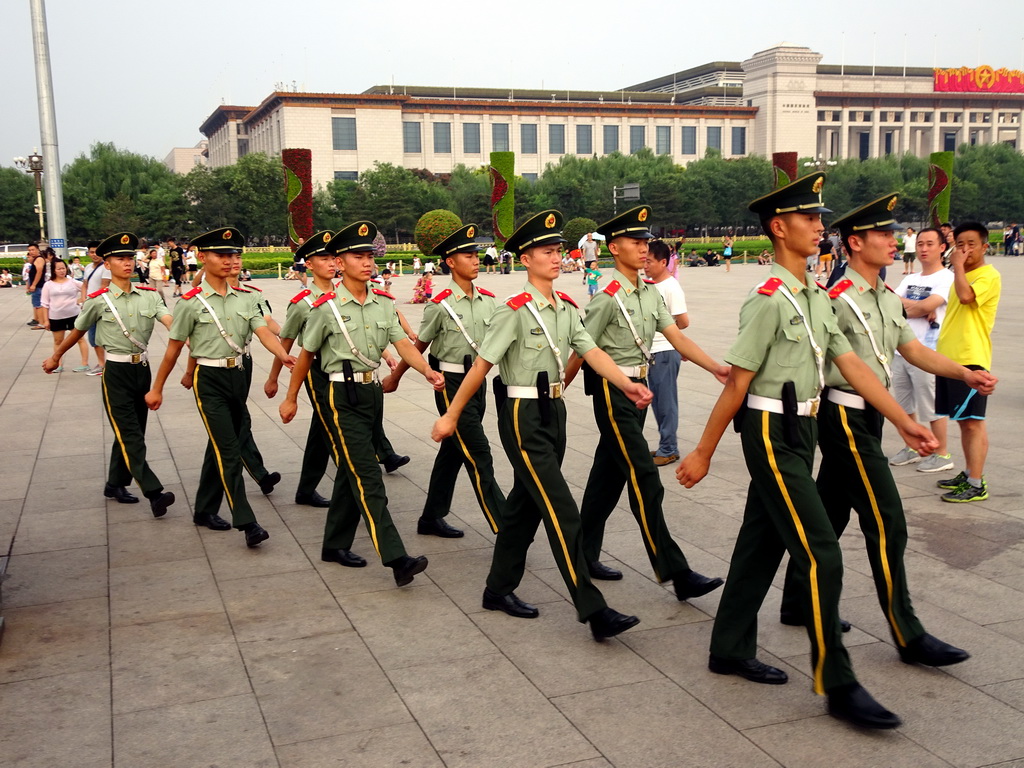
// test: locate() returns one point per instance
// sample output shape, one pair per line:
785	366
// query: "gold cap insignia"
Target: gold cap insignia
125	239
363	230
818	184
549	222
471	232
642	216
327	237
892	203
227	234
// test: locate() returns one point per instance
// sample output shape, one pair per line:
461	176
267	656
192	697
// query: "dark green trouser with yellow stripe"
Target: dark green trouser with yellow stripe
622	459
124	387
220	395
318	440
540	492
784	513
468	447
358	484
252	459
855	473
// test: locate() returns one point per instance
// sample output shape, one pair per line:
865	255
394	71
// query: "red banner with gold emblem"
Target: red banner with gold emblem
982	79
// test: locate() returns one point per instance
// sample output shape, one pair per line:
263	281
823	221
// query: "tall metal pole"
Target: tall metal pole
48	130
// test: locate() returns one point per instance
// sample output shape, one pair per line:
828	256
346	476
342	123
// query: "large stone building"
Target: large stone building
780	99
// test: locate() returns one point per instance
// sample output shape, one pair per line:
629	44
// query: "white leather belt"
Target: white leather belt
848	399
135	359
451	367
770	404
634	371
359	377
531	393
220	362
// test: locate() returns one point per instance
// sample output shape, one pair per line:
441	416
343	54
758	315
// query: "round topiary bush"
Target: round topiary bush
575	229
380	247
433	227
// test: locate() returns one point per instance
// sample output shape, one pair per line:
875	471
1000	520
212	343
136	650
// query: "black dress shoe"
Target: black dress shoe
406	567
749	669
120	494
393	462
602	572
608	623
255	535
855	705
313	499
342	557
438	527
793	620
932	652
213	521
510	604
269	481
693	584
159	504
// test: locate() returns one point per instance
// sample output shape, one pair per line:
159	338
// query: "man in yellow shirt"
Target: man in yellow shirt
966	338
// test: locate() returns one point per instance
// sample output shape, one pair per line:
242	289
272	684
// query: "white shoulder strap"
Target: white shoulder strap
444	303
348	339
871	337
223	334
120	322
551	342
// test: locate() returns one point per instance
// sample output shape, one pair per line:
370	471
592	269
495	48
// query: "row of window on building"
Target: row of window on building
896	116
344	138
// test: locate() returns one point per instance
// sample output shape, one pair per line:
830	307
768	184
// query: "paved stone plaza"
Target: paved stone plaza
143	643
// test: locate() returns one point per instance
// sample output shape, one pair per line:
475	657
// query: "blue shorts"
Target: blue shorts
37	298
955	399
92	335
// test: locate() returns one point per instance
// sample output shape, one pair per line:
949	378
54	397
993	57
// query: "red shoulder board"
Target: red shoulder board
324	299
100	292
253	287
193	292
888	287
300	295
442	296
240	289
567	298
839	287
144	288
385	294
771	285
516	302
824	288
648	281
485	292
613	287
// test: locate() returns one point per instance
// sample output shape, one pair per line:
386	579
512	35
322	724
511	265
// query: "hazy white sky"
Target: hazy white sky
145	74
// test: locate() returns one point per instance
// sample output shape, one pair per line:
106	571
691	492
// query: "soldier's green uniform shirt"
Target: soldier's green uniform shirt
139	309
297	315
237	312
440	331
884	312
261	302
517	343
773	342
647	310
372	325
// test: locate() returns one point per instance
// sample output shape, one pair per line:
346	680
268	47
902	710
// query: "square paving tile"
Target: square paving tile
55	639
48	577
140	594
397	745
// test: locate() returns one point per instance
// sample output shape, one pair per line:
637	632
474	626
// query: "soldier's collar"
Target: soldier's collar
791	281
538	297
860	283
625	282
345	295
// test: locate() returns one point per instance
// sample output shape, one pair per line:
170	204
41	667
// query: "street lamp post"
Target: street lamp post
820	163
34	164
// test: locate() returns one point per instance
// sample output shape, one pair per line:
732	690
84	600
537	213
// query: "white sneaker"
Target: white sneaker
97	371
905	456
936	463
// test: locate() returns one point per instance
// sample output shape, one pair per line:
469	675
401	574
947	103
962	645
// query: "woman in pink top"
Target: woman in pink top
61	304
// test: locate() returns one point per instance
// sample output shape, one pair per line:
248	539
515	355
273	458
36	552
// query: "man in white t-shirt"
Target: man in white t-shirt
97	277
924	298
909	251
663	374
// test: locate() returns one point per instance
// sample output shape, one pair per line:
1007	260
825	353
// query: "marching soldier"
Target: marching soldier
218	322
124	315
854	470
318	440
622	320
528	338
787	335
454	323
350	327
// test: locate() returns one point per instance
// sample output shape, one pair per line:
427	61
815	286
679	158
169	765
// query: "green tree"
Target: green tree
18	222
996	171
470	193
576	228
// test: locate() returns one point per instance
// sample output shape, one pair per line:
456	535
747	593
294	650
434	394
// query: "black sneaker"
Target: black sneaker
966	492
953	482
